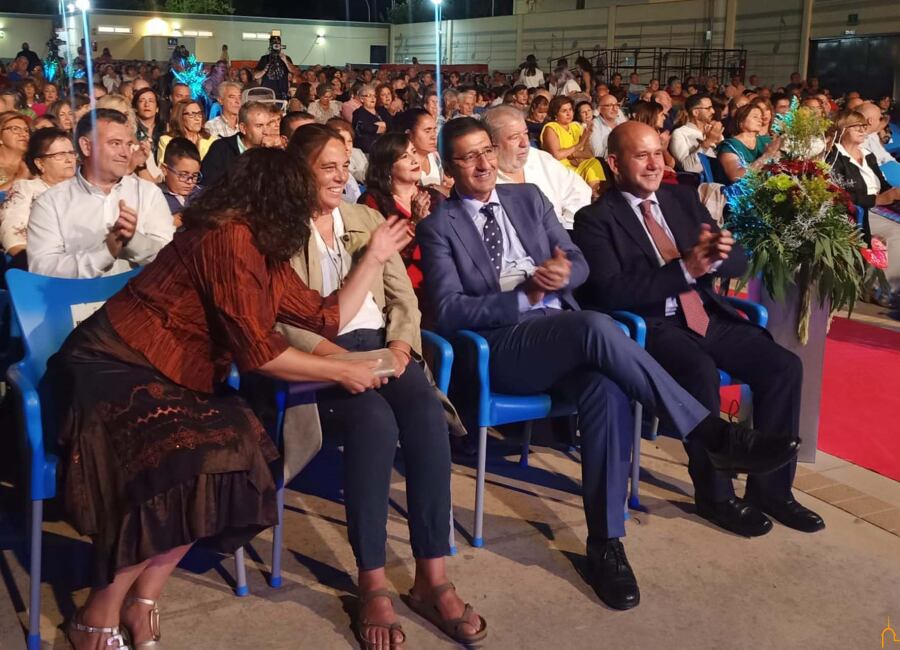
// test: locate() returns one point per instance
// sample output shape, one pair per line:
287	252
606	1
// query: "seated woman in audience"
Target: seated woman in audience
186	121
324	107
421	128
359	162
535	119
245	78
856	168
14	134
30	101
194	464
369	425
584	113
49	94
570	143
393	188
62	111
746	147
150	126
387	101
768	114
51	158
369	120
653	114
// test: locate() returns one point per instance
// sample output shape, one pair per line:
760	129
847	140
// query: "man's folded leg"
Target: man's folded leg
557	342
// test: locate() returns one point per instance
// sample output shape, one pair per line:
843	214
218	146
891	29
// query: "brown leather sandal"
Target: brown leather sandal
428	609
362	625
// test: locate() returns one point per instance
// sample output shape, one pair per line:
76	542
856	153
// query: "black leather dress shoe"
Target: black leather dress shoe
735	448
611	575
793	515
735	515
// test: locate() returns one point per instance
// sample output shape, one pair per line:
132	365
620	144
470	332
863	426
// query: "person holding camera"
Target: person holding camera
274	69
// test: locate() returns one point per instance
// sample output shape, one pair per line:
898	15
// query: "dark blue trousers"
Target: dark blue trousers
585	358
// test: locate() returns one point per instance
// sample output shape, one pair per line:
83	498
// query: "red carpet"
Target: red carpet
860	416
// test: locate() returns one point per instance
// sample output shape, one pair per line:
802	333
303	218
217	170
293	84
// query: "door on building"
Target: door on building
867	64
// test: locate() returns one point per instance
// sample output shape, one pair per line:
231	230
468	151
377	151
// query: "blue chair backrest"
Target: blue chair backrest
43	309
707	175
891	171
894	145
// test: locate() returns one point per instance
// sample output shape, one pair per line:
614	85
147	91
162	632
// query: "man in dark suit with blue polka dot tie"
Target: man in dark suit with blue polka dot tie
496	260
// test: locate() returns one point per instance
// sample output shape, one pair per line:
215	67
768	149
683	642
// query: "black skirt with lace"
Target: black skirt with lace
148	465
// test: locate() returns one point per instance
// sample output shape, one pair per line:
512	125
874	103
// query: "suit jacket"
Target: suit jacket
460	283
624	269
852	181
218	159
392	290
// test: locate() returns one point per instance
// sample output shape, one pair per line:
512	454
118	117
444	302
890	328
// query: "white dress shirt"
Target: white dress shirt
336	263
435	176
686	145
565	189
873	185
534	81
15	210
220	128
323	114
70	221
516	265
635	203
600	134
873	144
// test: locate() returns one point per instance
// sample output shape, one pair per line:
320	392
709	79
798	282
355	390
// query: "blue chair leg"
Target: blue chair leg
634	500
526	443
452	532
478	539
277	536
240	571
34	596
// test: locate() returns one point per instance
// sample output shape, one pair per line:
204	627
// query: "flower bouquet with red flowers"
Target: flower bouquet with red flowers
798	226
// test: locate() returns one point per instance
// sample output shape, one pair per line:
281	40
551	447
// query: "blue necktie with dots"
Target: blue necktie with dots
493	237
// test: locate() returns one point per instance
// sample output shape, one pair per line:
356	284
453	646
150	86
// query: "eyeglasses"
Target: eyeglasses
18	130
704	108
193	113
471	158
616	105
185	177
59	155
861	127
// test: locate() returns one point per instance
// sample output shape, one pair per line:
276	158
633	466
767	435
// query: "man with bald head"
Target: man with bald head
518	162
654	250
873	142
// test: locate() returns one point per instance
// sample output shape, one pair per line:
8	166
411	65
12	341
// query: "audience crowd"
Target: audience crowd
319	215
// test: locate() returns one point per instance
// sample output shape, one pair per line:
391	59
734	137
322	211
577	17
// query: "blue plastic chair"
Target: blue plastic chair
893	147
755	313
495	409
294	394
891	171
43	310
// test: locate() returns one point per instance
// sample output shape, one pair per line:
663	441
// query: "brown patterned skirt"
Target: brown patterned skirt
148	465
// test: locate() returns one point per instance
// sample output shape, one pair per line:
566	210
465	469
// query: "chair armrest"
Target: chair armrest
756	313
482	367
637	327
443	358
42	465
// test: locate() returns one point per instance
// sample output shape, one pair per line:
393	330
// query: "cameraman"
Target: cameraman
274	69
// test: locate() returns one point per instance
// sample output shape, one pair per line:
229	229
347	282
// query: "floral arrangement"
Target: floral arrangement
797	225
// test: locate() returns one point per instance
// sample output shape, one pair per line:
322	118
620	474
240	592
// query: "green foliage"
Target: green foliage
200	6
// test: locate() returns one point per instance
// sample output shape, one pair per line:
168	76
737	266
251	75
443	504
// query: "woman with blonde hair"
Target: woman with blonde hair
14	135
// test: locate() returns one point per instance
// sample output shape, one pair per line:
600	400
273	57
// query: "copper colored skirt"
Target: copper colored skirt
148	465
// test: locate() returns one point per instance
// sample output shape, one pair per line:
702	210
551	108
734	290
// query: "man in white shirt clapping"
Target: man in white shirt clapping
699	134
103	221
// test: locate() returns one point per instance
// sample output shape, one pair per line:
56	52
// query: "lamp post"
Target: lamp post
437	59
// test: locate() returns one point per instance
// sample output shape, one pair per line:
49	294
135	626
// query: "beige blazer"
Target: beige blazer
393	293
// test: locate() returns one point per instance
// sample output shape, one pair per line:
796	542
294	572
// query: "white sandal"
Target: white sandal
115	640
154	624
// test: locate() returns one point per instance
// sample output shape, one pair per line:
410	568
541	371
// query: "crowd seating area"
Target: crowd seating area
183	137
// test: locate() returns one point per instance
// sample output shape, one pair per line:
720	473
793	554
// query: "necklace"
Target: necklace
336	256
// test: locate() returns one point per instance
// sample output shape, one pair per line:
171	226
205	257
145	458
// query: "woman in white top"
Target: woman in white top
531	75
422	130
51	158
369	425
